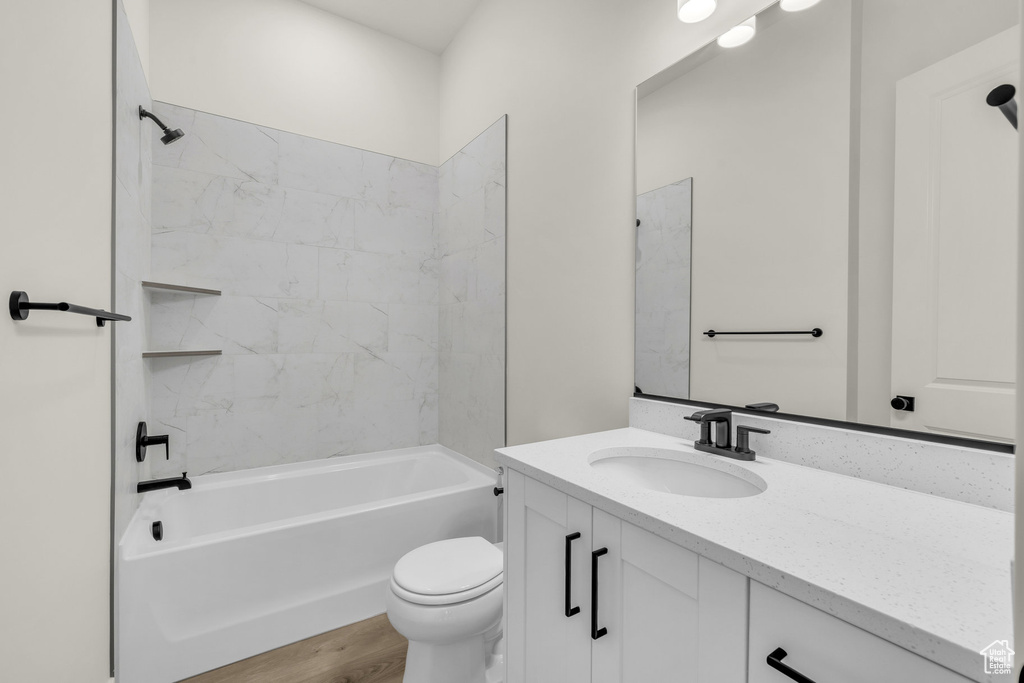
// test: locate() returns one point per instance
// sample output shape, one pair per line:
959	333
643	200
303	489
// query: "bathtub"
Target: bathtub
257	559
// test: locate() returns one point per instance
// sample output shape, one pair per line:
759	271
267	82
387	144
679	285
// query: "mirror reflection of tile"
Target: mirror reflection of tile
663	290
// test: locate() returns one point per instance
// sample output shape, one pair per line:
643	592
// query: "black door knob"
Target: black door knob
905	403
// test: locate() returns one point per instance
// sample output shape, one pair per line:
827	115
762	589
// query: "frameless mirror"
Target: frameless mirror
828	215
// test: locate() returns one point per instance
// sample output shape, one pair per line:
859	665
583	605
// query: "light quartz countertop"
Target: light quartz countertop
927	573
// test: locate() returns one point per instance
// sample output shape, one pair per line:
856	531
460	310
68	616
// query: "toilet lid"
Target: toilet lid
448	567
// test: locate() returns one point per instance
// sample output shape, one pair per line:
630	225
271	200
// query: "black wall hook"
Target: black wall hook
19	306
1002	97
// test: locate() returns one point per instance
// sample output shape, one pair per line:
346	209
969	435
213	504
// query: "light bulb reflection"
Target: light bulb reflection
739	35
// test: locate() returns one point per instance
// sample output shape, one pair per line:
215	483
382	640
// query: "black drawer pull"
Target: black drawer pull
775	661
569	609
595	632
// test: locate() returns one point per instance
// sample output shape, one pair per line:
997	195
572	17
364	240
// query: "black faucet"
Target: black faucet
181	483
722	419
722	443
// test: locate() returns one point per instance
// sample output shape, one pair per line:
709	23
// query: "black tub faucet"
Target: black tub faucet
181	483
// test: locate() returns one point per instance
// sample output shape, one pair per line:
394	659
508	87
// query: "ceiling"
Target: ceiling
430	24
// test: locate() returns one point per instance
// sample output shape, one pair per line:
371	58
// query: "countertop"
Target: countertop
927	573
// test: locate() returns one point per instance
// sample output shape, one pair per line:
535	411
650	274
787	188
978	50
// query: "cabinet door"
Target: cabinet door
670	614
827	649
543	645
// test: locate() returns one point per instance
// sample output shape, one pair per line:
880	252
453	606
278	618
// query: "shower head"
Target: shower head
169	135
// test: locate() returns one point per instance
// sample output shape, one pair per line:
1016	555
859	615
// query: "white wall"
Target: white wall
565	73
287	65
764	133
55	70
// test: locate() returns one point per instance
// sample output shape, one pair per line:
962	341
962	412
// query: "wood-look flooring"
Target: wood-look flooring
370	651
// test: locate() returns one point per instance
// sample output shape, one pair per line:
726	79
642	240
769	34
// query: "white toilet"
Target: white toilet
446	598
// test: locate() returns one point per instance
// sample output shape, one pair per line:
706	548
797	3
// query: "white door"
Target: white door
543	644
670	614
954	258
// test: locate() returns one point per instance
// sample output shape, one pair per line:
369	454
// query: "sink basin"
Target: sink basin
679	472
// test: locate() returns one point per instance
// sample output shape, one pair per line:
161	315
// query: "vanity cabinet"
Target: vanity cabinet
656	612
826	649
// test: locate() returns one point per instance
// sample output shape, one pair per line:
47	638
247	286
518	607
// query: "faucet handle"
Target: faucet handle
705	428
143	441
743	438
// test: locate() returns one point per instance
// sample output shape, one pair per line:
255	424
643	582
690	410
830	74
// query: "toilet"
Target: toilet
446	599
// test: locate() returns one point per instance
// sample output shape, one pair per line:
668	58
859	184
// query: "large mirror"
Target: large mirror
836	200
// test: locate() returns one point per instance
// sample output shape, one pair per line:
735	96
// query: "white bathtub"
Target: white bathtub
257	559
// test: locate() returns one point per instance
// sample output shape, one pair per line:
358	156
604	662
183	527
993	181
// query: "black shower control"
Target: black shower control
158	530
144	441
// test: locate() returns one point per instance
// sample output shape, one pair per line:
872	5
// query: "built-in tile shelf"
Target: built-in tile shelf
180	288
176	354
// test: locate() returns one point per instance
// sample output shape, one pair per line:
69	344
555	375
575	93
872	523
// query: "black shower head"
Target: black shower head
169	135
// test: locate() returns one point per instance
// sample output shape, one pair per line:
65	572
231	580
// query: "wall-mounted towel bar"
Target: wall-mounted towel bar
20	306
816	332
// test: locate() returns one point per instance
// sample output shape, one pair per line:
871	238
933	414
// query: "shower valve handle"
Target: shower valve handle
143	441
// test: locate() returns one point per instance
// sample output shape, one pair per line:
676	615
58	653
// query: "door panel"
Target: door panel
544	646
954	259
827	649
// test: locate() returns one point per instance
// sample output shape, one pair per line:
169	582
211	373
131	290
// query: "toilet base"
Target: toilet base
460	662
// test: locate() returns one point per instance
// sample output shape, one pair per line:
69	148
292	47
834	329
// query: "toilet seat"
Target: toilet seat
448	572
449	598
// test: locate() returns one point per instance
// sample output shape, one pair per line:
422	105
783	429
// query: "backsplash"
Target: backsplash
969	475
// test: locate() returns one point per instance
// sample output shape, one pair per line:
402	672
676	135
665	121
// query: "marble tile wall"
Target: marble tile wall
132	190
327	257
662	366
472	297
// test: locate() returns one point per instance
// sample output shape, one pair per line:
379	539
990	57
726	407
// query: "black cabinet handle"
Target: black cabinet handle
569	609
775	661
595	632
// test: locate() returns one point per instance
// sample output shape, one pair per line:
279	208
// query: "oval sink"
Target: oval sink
678	472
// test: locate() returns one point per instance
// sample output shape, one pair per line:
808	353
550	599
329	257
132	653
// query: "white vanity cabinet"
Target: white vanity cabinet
658	612
826	649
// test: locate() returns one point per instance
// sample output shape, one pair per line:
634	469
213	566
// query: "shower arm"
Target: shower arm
143	114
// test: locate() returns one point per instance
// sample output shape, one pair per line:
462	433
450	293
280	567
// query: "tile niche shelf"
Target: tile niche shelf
185	289
180	288
178	354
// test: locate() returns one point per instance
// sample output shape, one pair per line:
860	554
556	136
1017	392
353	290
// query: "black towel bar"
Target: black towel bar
816	332
20	306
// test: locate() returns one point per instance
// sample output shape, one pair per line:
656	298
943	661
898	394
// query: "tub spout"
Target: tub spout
181	483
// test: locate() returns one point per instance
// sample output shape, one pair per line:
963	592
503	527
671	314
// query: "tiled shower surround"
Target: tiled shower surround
663	290
331	265
472	297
